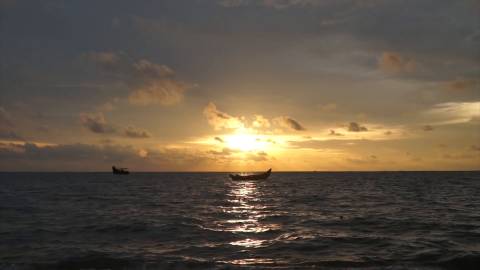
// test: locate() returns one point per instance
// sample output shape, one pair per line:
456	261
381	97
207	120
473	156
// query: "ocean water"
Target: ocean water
384	220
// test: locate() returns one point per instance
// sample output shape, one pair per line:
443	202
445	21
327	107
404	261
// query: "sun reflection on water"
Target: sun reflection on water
245	209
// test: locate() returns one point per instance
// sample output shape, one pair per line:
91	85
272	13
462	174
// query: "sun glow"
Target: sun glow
246	142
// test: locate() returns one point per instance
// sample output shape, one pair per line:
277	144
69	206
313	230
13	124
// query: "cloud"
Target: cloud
363	160
427	128
393	62
475	148
457	156
334	133
88	157
225	152
107	61
275	4
289	123
261	122
162	91
133	132
220	120
96	123
218	139
355	127
68	152
258	156
9	135
149	83
463	84
455	112
7	126
155	84
5	119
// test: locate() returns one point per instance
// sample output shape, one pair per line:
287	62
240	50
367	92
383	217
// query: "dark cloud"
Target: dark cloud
68	152
427	128
463	84
475	148
289	123
334	133
82	157
96	123
275	4
133	132
9	135
355	127
218	139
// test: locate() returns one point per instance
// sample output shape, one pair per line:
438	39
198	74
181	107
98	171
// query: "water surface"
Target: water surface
395	220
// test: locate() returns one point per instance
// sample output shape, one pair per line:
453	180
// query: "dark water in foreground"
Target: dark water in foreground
205	221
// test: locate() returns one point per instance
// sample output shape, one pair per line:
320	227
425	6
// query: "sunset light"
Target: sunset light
246	142
240	134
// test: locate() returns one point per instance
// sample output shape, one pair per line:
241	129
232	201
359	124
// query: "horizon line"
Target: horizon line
279	171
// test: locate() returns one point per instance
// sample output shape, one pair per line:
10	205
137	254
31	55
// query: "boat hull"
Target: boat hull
262	176
119	170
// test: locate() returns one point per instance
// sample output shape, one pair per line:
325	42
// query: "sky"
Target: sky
240	85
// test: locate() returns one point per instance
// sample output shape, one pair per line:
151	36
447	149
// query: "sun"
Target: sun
246	142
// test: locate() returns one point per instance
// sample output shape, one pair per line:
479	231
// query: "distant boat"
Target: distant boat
260	176
116	170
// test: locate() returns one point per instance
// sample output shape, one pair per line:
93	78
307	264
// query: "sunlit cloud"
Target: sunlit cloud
220	120
454	112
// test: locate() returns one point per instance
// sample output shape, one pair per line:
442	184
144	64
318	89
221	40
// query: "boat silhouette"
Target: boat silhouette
116	170
260	176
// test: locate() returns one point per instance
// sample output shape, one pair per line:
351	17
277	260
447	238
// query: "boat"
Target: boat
260	176
116	170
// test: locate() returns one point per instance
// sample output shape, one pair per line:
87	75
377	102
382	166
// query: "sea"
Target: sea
323	220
